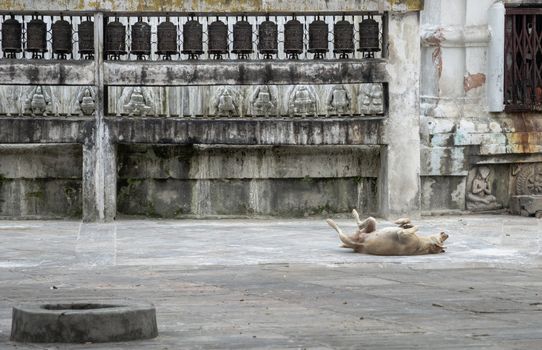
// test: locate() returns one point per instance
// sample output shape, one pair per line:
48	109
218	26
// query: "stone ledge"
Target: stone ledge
294	131
46	72
225	72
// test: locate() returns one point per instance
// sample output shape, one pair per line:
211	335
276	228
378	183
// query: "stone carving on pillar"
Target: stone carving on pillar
264	101
527	200
371	99
226	102
338	101
38	100
302	101
479	192
138	101
529	179
85	102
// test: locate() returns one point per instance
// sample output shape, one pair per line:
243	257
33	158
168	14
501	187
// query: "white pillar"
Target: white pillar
400	160
495	58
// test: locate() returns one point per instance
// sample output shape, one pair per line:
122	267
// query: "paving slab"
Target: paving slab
285	284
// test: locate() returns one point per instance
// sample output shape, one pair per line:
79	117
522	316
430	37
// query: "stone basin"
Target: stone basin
83	322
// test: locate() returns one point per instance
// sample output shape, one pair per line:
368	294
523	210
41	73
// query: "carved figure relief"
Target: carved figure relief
264	101
370	99
529	179
86	101
302	101
38	101
338	101
137	101
479	192
226	102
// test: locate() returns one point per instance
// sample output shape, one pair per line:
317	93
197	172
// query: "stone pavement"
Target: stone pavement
285	284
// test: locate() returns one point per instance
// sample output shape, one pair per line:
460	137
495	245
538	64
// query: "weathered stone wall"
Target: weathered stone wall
165	138
215	5
40	181
200	180
463	135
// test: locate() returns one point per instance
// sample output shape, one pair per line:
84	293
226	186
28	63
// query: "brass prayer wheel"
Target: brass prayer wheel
115	39
242	38
293	38
85	32
141	39
268	38
62	38
218	39
167	39
11	37
192	39
36	37
318	33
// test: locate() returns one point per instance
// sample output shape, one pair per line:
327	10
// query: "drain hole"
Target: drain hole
82	306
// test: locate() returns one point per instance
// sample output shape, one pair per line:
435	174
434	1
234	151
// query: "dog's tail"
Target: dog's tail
344	238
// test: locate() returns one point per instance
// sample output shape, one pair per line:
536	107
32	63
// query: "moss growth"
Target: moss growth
35	195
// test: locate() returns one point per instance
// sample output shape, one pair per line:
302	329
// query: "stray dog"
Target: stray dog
401	240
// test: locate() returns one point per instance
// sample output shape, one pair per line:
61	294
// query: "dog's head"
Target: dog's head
437	243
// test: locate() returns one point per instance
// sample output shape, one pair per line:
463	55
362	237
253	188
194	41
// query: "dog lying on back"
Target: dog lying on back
401	240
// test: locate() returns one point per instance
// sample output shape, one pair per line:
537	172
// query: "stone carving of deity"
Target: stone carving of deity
302	101
263	102
138	102
38	101
226	102
370	99
86	101
338	101
479	195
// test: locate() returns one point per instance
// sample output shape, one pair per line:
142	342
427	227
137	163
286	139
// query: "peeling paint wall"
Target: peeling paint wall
458	134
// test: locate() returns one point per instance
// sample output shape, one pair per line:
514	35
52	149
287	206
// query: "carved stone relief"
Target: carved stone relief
338	101
529	179
226	102
479	192
370	99
137	101
302	101
527	185
264	101
38	101
85	101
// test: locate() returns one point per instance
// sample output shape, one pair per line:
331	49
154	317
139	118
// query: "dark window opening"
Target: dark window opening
523	59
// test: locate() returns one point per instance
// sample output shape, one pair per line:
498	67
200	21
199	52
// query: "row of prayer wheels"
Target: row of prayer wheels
36	37
115	38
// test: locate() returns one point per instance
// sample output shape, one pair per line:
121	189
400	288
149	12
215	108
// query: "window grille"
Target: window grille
523	59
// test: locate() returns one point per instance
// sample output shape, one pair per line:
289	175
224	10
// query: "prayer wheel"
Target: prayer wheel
115	39
218	39
242	38
167	39
11	37
318	33
268	38
36	37
62	38
369	36
343	39
192	39
141	39
293	38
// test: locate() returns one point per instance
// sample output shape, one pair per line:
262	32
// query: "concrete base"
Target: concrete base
526	205
82	323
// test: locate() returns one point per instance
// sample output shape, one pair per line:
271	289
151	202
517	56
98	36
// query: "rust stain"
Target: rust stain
524	142
473	81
